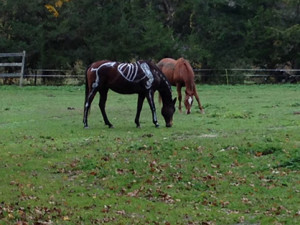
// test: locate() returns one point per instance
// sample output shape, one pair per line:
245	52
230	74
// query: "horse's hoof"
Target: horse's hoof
138	126
86	127
111	126
202	111
157	125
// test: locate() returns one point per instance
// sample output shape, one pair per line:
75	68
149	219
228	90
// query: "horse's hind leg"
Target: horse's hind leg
103	98
199	103
141	99
87	106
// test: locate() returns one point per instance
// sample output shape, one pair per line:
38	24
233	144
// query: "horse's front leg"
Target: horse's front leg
103	98
87	106
178	87
152	107
199	103
140	102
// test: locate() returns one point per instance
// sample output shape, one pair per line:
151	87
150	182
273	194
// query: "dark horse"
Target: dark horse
141	77
180	73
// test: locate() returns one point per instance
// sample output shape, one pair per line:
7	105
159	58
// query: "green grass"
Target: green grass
237	164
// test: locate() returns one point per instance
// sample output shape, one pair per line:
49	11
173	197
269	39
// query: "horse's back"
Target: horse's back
167	66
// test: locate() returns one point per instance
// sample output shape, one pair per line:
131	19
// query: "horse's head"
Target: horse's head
167	111
188	102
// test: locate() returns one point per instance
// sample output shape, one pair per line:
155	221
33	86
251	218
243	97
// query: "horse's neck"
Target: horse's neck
189	86
165	90
166	96
187	75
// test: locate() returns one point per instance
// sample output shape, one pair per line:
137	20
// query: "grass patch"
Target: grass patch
236	164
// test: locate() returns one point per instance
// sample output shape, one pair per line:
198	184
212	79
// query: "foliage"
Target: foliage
217	33
236	164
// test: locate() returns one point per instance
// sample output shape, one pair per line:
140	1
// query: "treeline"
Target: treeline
210	33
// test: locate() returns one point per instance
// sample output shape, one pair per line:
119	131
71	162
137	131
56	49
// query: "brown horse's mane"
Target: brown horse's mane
187	73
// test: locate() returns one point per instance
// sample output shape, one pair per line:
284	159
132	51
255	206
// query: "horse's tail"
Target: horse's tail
86	86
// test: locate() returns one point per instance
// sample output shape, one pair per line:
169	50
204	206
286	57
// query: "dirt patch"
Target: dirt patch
208	136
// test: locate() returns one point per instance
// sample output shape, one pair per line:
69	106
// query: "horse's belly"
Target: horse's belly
126	88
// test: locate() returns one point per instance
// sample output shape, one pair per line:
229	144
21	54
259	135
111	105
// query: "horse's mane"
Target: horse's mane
187	73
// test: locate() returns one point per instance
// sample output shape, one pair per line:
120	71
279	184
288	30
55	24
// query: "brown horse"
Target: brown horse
141	77
180	73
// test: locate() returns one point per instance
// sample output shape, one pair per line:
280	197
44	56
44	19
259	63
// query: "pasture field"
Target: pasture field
237	164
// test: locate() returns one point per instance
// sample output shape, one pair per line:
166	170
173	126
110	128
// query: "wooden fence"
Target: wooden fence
16	63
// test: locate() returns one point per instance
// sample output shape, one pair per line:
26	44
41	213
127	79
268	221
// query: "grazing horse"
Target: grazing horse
141	77
180	73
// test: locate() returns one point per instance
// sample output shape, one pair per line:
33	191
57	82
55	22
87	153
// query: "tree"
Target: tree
21	27
273	34
59	33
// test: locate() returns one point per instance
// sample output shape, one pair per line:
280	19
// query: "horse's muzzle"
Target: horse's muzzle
169	124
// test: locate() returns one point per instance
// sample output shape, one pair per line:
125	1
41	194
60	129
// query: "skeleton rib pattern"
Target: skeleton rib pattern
128	70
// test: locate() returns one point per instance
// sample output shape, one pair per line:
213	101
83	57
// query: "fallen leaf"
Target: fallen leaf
134	193
121	212
93	173
66	218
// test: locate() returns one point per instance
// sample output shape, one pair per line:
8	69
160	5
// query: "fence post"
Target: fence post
22	68
227	80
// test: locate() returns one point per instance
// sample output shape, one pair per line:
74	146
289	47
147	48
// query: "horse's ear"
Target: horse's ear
174	100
